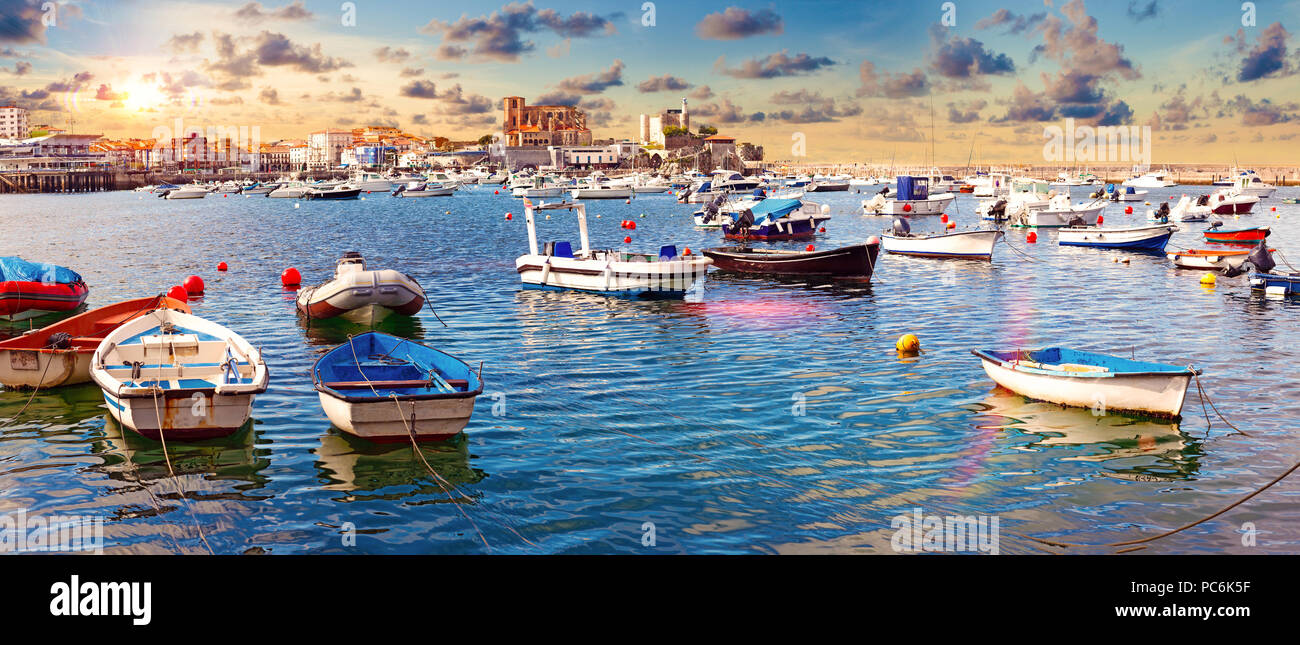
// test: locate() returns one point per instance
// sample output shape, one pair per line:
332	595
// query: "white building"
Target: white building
298	157
652	126
325	148
13	122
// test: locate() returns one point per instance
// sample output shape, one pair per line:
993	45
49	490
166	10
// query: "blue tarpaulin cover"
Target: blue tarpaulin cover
773	209
20	270
913	188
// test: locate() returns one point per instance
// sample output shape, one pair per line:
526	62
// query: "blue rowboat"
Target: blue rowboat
384	388
1135	238
1089	380
1284	284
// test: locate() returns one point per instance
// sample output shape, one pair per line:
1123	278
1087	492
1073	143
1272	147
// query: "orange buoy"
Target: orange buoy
1032	237
221	266
193	285
178	293
290	277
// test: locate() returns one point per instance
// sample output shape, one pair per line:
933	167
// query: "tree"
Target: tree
672	131
485	140
708	130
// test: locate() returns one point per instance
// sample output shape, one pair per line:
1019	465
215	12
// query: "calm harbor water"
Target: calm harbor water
757	416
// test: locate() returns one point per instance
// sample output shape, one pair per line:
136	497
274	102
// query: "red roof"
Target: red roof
718	137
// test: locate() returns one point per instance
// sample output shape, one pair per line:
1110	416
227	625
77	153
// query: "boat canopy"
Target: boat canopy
17	269
912	188
773	209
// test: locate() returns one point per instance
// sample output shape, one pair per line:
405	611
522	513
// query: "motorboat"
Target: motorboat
597	186
177	376
827	185
1020	198
1250	184
1245	236
1125	193
1131	238
424	189
611	272
290	190
59	354
855	261
970	245
260	189
1090	380
730	180
388	389
1149	179
912	198
32	289
188	191
1059	211
775	219
337	191
370	182
1230	201
361	294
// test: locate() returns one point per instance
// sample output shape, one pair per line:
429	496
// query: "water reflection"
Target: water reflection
355	465
1126	447
131	457
335	331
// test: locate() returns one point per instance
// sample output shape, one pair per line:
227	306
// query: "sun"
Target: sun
140	96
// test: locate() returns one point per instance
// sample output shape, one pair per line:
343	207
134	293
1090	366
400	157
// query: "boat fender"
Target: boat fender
60	340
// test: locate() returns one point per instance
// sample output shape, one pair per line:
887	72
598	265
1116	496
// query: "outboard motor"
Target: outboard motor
1215	224
901	227
1075	220
1163	211
999	209
1203	200
399	190
1259	260
884	191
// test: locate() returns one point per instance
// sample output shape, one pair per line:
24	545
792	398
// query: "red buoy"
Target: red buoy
944	218
509	216
631	225
290	277
496	192
178	293
810	248
221	266
687	251
821	230
907	208
193	285
1100	219
1128	210
627	239
1032	237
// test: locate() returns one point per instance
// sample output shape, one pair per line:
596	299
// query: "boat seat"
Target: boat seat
563	250
364	385
668	251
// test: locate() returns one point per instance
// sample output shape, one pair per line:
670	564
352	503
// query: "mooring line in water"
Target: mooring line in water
1205	397
162	437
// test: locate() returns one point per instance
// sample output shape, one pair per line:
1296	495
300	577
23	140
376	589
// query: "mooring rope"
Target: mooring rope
33	396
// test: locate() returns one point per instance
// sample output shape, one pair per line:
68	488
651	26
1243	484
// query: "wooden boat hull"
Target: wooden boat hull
1209	259
1140	238
352	193
971	245
382	422
1276	283
182	418
631	279
849	261
1247	236
935	205
1157	394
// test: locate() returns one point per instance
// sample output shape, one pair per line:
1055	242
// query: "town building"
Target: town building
543	125
652	127
60	151
13	122
325	148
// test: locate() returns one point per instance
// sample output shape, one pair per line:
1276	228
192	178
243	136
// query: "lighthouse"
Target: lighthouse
686	117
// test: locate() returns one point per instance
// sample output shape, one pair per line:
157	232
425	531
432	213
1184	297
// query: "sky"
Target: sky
863	81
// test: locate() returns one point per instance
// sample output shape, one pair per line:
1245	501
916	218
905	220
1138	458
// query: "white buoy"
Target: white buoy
295	204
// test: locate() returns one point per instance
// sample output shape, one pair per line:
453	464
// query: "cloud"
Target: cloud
557	98
254	12
106	93
499	36
420	89
702	92
21	68
409	72
1139	13
1268	57
727	112
277	50
966	112
228	100
1010	22
1078	46
458	103
1027	105
450	52
78	80
236	66
20	22
663	83
965	58
594	83
1263	112
387	54
419	119
352	96
735	23
891	85
181	43
815	108
774	65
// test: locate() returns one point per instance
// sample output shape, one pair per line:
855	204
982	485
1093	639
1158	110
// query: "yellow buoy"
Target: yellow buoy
1208	279
908	344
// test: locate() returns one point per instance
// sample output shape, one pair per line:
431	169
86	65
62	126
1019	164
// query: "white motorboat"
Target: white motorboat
424	189
1186	210
1134	238
1089	380
188	191
1150	179
1249	183
913	198
971	245
622	273
1128	194
1059	212
177	375
290	190
440	177
361	294
370	182
597	187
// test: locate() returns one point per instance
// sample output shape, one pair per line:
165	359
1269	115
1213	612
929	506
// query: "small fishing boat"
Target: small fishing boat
176	376
1228	202
385	389
60	353
1211	259
776	219
337	191
610	272
1276	284
971	245
260	189
1090	380
189	191
1250	184
360	294
913	198
1126	194
857	261
424	189
1248	236
31	289
1132	238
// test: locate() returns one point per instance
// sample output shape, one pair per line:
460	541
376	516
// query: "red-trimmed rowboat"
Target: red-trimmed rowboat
40	359
1249	236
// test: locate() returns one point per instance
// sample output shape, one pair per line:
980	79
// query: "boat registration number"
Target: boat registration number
23	360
